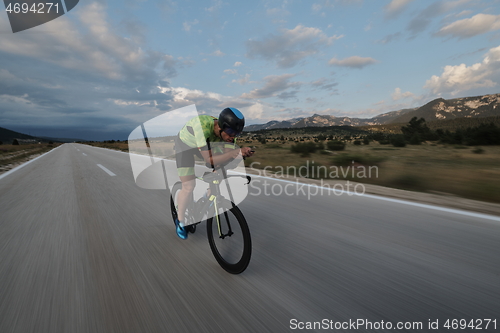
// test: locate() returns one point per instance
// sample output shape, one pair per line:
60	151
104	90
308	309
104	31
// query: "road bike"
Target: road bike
227	230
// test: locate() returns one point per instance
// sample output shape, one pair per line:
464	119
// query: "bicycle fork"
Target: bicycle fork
219	227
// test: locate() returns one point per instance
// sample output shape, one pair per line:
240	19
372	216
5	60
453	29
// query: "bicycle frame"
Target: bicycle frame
234	253
215	197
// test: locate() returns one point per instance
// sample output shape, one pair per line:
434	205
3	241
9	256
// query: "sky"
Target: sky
105	67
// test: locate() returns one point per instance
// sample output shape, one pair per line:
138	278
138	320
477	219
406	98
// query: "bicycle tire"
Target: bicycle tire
240	261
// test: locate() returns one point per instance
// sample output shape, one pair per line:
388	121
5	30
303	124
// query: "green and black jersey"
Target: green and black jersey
193	138
197	131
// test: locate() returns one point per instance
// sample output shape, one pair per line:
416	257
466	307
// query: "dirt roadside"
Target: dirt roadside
441	199
7	167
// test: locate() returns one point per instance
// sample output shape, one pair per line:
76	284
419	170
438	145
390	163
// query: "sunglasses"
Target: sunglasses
231	132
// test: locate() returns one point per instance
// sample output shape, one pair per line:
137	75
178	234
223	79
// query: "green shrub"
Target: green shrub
410	182
417	131
15	142
304	148
415	139
335	145
398	141
478	150
357	142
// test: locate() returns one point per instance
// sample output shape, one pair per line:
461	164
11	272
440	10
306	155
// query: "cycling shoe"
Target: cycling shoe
182	232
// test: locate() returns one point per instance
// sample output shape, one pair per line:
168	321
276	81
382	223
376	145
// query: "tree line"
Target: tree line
417	132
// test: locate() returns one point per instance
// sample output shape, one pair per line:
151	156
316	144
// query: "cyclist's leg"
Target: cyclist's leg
184	159
185	195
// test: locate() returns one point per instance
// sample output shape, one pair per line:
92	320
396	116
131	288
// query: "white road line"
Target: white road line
404	202
24	164
106	170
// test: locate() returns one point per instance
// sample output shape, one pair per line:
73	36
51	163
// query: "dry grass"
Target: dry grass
12	155
122	145
449	169
453	170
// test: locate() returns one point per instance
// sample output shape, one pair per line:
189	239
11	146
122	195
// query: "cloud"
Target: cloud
186	26
218	53
325	4
325	84
237	64
316	7
420	22
243	79
135	29
277	12
216	5
456	79
289	47
288	95
255	111
397	94
390	38
167	6
274	85
476	25
395	7
352	62
81	66
96	48
212	103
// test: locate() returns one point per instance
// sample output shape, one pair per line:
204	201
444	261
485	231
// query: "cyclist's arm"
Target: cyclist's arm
218	159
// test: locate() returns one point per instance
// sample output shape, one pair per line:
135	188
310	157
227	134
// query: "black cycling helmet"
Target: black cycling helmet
231	121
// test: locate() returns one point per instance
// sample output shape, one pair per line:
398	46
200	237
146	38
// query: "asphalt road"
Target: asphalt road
86	250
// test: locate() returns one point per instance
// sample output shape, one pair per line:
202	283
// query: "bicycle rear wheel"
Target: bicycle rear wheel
233	249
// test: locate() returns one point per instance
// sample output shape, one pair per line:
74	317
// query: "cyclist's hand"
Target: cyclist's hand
247	152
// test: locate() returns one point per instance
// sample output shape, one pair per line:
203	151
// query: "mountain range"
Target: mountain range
438	109
7	136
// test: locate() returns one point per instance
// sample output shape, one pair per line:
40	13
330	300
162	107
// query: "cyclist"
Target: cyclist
195	139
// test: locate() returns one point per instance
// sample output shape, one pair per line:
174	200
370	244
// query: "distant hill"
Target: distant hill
446	124
318	120
7	136
467	107
438	109
47	138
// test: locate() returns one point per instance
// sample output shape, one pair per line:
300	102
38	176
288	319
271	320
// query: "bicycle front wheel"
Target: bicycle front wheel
230	241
